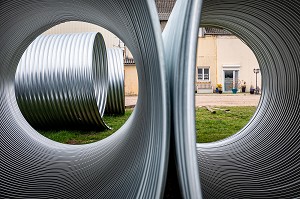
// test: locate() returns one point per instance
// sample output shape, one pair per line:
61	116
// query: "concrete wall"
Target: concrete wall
131	80
232	53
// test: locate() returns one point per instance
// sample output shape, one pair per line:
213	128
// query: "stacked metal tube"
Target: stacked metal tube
115	103
61	81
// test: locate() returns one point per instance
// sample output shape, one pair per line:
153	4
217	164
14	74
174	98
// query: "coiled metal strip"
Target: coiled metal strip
129	164
115	103
61	81
262	160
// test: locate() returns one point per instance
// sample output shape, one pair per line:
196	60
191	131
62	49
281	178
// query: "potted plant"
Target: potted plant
252	90
234	90
243	87
219	88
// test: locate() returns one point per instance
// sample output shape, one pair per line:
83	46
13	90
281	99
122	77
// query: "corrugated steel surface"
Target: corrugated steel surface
131	163
115	95
61	81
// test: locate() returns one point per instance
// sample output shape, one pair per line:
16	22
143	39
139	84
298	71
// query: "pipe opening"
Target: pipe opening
66	80
227	85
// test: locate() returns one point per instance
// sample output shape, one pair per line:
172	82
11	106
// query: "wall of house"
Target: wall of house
231	51
207	57
131	80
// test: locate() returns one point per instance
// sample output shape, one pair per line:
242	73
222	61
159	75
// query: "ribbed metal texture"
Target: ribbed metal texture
115	103
180	42
260	161
61	81
263	159
129	164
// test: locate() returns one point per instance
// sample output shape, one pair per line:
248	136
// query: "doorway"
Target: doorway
231	78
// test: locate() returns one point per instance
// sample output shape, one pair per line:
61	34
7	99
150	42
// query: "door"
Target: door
231	78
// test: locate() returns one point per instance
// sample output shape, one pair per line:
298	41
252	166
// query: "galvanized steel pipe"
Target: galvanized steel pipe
115	103
262	160
129	164
180	42
61	81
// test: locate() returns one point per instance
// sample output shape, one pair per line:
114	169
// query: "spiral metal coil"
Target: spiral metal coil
262	160
131	163
115	103
61	81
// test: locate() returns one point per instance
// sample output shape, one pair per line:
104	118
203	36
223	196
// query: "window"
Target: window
203	74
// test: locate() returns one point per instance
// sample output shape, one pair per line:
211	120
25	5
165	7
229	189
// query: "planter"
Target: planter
252	90
243	89
234	90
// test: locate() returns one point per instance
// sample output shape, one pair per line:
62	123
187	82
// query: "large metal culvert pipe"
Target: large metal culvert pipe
261	160
61	81
115	103
180	42
131	163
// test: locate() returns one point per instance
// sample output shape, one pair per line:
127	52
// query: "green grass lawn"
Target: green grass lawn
213	127
86	137
210	127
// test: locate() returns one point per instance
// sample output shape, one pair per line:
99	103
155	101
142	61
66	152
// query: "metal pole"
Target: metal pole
256	91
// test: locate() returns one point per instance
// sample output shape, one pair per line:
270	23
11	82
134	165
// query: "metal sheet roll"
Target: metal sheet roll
262	160
61	81
131	163
115	103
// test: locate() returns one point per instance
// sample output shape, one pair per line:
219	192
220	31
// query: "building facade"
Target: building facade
224	59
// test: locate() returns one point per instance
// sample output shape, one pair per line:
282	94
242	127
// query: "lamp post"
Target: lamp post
256	70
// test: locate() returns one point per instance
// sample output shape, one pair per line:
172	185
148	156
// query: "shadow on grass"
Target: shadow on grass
85	136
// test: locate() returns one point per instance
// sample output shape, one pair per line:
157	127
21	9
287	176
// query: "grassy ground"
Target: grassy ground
85	137
210	127
224	123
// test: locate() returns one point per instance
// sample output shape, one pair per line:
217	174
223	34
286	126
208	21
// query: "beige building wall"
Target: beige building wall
77	26
233	54
207	58
131	80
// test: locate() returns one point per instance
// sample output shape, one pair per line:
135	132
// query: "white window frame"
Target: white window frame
231	68
203	80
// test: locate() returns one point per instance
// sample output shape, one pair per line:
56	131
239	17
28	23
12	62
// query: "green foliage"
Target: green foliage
209	127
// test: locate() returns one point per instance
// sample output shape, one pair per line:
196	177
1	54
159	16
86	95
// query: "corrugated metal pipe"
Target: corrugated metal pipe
261	160
61	81
115	103
131	163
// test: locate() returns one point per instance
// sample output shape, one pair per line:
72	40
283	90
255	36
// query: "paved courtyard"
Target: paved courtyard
240	99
